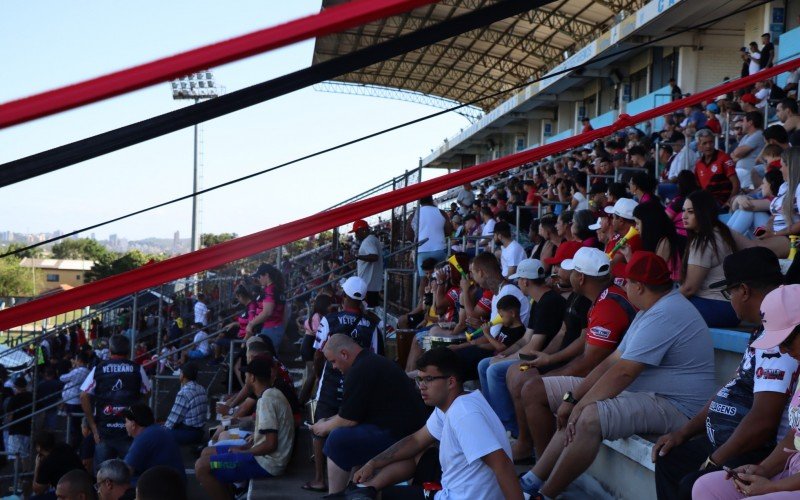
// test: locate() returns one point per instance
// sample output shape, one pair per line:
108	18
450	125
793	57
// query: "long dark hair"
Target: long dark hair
706	215
656	225
277	281
581	222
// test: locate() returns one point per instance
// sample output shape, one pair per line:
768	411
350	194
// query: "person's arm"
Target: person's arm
39	487
269	445
405	449
740	152
448	226
736	187
695	275
694	427
178	410
325	427
265	313
585	362
756	428
573	349
503	469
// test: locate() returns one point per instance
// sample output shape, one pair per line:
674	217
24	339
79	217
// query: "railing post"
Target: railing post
159	346
516	231
134	314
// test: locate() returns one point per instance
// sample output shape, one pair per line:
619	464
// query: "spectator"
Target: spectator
47	394
788	115
738	424
621	222
750	213
487	228
273	441
710	241
379	407
712	122
200	349
76	485
580	200
474	465
465	199
754	64
749	148
19	433
321	308
767	51
369	262
245	298
186	420
511	253
548	231
53	460
428	222
685	157
152	444
674	90
116	384
273	303
586	125
659	375
564	225
785	208
643	186
715	171
687	183
364	329
161	483
777	475
114	481
86	447
201	310
658	235
414	317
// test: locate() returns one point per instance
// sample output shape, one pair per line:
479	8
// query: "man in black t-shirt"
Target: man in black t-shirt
53	460
380	406
767	52
19	434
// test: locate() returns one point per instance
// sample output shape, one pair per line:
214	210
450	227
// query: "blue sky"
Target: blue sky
47	44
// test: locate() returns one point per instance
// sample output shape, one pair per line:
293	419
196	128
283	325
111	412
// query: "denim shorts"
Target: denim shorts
230	467
348	447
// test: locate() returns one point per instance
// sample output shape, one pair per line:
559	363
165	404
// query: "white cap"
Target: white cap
355	288
531	269
622	208
595	226
590	261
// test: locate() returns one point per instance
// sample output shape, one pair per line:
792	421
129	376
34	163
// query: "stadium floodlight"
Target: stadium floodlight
196	86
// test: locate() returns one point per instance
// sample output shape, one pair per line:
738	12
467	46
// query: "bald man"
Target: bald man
76	485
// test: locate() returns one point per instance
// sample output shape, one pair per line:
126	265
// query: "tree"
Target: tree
111	264
14	280
82	248
210	239
31	252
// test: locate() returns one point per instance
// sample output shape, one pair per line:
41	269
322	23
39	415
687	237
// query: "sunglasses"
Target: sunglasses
726	292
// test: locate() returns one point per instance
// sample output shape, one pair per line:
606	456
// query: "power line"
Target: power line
380	132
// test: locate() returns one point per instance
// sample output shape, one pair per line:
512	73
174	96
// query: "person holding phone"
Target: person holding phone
777	476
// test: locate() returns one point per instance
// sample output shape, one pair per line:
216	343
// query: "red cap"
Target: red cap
566	250
359	224
648	268
750	99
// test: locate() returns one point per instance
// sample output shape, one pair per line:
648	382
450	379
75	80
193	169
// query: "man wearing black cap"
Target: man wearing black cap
740	421
152	444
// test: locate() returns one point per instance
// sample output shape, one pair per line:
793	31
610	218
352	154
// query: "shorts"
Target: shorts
18	443
349	447
230	467
626	414
196	354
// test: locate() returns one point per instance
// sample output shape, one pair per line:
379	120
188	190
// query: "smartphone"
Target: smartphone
527	357
732	473
307	424
759	231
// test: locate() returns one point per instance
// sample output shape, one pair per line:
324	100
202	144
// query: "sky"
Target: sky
49	43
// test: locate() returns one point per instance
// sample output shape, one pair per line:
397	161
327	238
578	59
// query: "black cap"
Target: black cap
139	413
262	270
751	264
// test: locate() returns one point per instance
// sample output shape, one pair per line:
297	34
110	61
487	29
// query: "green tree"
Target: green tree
31	253
14	280
111	264
81	248
210	239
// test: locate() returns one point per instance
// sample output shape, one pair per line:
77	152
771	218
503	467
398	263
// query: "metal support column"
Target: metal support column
134	314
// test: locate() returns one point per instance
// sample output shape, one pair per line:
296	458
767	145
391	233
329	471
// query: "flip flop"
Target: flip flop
317	489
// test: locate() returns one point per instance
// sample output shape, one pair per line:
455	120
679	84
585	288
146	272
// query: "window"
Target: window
77	276
53	278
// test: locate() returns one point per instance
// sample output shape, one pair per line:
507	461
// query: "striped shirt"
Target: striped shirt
191	405
72	385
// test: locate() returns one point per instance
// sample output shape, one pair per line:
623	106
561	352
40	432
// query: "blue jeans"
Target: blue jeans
495	390
743	221
439	255
349	447
184	434
109	448
717	313
275	334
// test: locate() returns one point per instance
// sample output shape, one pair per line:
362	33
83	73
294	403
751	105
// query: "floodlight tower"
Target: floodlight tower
196	86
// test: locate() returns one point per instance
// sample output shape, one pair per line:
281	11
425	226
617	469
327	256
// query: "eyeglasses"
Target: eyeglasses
428	379
726	292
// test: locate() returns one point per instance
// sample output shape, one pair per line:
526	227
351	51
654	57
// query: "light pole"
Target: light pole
196	86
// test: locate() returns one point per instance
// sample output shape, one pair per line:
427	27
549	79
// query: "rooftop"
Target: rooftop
58	264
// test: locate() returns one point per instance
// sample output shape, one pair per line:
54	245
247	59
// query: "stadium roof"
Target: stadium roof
480	62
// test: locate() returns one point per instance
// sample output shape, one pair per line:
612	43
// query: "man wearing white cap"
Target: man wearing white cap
621	222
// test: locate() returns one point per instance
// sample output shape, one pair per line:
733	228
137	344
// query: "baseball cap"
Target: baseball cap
779	316
359	224
595	226
260	366
712	107
750	99
262	270
565	250
589	261
750	264
531	269
622	208
139	413
355	288
648	268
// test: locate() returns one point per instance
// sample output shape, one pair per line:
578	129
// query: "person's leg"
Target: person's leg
715	486
741	221
675	465
403	493
515	380
337	477
539	418
319	465
716	313
102	452
413	354
275	334
202	469
501	399
185	435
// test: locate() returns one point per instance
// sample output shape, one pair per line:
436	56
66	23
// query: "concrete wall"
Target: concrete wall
715	63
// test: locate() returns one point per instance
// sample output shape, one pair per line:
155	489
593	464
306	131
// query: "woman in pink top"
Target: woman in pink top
273	304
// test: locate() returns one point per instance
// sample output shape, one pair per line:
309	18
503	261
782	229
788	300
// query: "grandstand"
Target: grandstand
528	82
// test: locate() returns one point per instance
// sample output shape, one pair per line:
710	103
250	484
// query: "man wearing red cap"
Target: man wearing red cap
660	375
369	261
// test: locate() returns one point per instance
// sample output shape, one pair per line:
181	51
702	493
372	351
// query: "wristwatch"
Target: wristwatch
708	463
569	398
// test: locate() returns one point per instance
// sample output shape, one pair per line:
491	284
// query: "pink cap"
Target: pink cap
779	315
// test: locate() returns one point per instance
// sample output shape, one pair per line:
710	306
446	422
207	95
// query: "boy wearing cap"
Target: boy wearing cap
608	320
621	222
369	261
777	476
273	438
741	419
657	378
152	444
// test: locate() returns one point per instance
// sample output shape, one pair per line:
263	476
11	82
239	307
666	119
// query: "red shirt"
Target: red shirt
635	243
485	302
714	125
714	176
609	318
451	296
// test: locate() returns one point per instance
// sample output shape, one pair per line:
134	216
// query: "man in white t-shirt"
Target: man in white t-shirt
749	147
487	229
431	225
200	349
369	261
201	310
474	464
511	253
465	199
